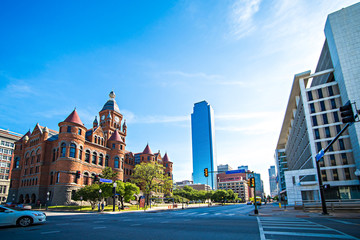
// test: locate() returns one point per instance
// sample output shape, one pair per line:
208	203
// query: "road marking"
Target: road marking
217	214
133	225
98	227
344	222
203	214
261	230
297	228
309	234
50	232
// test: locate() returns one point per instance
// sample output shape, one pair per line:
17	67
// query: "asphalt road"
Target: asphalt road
221	223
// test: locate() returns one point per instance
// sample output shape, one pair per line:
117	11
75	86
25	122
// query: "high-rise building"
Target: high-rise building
243	167
7	140
272	181
223	168
259	185
203	144
312	116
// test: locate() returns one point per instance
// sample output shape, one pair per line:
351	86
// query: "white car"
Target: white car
23	218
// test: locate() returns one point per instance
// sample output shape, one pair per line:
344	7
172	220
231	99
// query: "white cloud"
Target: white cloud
20	89
241	17
132	118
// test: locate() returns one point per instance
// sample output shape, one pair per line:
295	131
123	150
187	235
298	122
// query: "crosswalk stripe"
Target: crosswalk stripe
309	234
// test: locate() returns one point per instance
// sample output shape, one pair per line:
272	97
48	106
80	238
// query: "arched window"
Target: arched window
106	161
92	178
63	150
27	159
72	150
101	157
80	152
58	177
38	155
32	157
102	141
87	156
116	162
51	178
86	178
94	156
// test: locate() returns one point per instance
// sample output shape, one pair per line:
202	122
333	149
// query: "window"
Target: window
347	174
38	155
63	150
318	146
320	93
95	139
331	92
87	156
58	177
341	144
327	132
80	152
116	162
69	129
333	103
325	118
312	107
122	163
17	162
113	146
335	174
79	131
332	160
32	157
314	120
94	157
317	134
72	150
344	158
310	96
322	105
321	162
86	178
336	117
121	147
101	157
338	129
37	169
323	175
106	161
51	178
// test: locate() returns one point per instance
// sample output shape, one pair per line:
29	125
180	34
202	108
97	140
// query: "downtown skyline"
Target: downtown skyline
239	56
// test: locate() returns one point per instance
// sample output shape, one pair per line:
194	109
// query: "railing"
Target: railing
331	204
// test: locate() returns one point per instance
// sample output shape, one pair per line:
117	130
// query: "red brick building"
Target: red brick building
46	161
237	181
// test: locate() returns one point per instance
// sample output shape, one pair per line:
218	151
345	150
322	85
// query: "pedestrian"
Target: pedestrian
102	206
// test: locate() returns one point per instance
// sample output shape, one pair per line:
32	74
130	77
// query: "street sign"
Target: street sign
104	180
320	155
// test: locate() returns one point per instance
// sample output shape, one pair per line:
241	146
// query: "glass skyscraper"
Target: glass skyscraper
203	143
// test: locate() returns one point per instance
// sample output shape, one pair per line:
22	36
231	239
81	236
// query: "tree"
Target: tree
167	186
231	196
126	191
108	173
89	193
149	177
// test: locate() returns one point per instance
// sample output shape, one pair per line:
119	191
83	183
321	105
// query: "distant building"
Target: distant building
244	167
237	181
223	168
312	117
259	186
281	165
198	187
7	140
203	144
272	181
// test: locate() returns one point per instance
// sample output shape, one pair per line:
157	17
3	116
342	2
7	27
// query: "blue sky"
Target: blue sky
160	57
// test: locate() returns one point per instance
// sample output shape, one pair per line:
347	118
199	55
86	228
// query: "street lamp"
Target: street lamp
114	191
99	198
47	200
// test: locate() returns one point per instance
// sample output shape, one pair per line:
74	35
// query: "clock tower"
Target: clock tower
111	118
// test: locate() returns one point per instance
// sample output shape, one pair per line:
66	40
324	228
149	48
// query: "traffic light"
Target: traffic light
248	182
206	172
96	178
77	174
347	114
252	182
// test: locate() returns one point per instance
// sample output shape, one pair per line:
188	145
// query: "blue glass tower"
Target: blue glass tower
203	143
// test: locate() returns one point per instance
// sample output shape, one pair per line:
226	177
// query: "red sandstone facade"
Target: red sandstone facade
46	161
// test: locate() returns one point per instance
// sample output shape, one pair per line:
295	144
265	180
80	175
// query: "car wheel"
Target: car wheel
24	221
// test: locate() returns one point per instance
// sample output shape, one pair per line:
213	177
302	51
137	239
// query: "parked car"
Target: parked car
249	203
23	218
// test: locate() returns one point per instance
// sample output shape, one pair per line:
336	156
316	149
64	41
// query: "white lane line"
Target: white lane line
133	225
202	214
344	222
50	232
231	214
286	224
297	228
309	234
261	230
344	234
217	214
98	227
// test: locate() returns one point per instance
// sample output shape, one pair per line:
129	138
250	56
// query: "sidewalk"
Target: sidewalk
272	210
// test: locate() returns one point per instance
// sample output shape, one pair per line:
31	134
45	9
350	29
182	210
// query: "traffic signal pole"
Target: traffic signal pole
256	211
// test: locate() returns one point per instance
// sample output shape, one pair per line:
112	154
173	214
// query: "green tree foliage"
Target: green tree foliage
126	191
108	173
149	177
89	193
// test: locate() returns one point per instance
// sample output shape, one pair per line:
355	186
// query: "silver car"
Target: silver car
23	218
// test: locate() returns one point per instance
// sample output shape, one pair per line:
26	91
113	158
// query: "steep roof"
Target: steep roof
111	103
166	158
147	150
26	134
74	118
115	137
